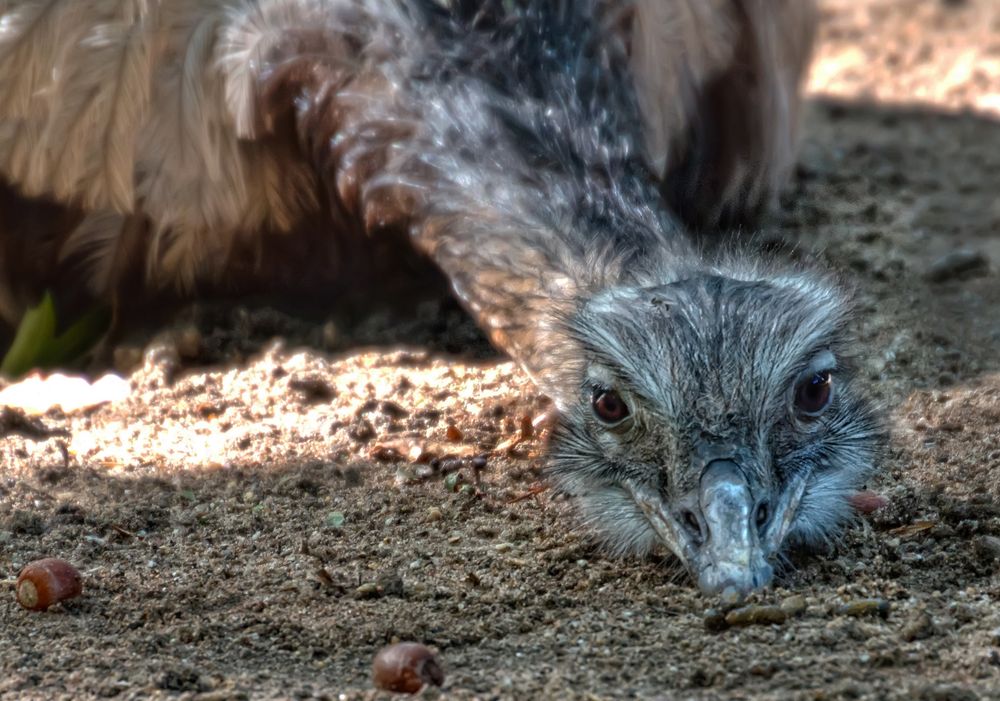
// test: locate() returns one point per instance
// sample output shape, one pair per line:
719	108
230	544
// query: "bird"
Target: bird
562	162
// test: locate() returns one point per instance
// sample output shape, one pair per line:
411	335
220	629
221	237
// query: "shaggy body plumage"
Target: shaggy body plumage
542	153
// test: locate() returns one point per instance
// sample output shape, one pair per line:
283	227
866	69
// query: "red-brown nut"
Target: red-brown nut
866	502
406	667
46	582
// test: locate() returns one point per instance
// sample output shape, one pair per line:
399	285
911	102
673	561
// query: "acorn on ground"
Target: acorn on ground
43	583
406	668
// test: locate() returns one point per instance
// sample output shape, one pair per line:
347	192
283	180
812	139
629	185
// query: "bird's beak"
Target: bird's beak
730	554
731	557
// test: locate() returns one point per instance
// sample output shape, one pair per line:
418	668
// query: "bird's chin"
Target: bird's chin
734	559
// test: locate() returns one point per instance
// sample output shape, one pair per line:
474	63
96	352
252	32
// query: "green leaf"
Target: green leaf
71	345
37	328
37	346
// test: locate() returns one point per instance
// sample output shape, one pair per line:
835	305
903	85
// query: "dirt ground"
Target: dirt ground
260	516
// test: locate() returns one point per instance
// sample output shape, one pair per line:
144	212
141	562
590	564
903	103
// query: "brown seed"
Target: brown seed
454	433
756	615
406	667
866	502
860	608
46	582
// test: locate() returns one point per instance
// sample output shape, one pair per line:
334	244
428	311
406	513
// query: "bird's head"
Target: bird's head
717	415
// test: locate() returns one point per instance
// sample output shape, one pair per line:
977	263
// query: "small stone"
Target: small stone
453	433
126	359
385	453
527	428
917	627
368	590
161	360
452	481
361	430
312	389
390	584
794	605
987	547
946	692
329	336
392	410
335	520
434	514
188	342
715	620
957	263
865	607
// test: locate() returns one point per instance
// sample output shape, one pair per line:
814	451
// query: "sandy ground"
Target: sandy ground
260	526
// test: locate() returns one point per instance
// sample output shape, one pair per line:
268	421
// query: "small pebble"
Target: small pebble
987	547
527	428
794	605
188	342
126	359
312	388
330	336
865	607
453	433
917	627
956	263
452	481
368	590
715	620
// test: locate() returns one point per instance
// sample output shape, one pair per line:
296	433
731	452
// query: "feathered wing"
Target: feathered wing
76	76
121	107
719	83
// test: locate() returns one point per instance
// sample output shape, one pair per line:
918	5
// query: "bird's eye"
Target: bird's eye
813	395
609	408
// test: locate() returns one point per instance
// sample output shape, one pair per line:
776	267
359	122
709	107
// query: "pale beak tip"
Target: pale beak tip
731	596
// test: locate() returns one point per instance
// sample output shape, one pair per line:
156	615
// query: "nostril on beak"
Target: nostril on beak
694	525
734	585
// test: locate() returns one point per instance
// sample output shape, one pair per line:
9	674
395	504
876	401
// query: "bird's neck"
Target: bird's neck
530	203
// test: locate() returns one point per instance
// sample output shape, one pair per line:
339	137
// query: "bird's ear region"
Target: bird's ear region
615	300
